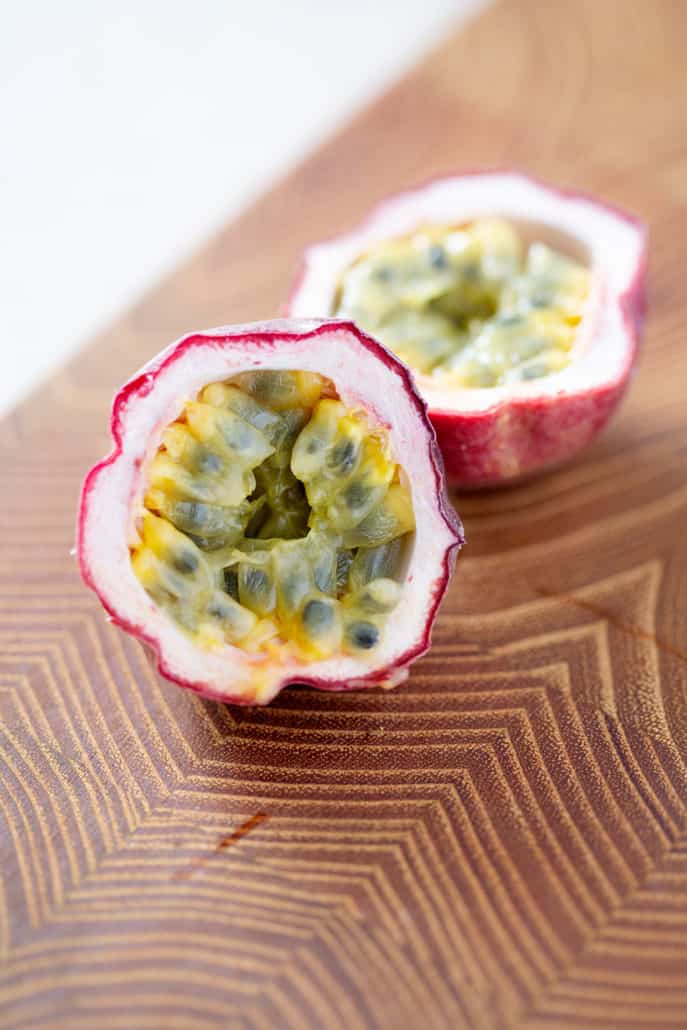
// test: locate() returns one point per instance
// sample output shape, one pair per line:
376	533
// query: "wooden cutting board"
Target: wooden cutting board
500	843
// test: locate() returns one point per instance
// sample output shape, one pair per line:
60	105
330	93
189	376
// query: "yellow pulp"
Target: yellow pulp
275	519
469	306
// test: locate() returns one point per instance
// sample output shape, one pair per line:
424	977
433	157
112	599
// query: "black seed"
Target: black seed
344	560
437	256
193	513
293	420
238	437
540	300
471	273
376	562
534	371
231	582
324	572
208	462
205	543
510	320
356	494
531	346
318	616
256	580
185	562
342	458
384	274
363	635
218	611
268	385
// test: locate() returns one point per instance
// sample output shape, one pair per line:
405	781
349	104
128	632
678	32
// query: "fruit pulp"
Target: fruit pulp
275	519
469	306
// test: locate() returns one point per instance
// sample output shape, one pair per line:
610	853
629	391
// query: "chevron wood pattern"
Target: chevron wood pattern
500	843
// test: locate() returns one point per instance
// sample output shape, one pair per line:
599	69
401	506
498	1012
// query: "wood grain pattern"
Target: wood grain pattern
501	843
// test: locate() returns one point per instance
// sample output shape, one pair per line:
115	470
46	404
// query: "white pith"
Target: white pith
612	247
116	493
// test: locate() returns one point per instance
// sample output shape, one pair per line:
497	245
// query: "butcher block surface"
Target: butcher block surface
502	841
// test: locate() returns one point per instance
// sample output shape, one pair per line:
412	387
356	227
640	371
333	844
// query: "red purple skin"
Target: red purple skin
144	382
517	438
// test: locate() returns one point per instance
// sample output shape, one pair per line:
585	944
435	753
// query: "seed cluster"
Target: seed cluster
470	306
275	519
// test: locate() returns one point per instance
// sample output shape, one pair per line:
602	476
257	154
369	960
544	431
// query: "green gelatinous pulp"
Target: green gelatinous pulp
469	306
274	516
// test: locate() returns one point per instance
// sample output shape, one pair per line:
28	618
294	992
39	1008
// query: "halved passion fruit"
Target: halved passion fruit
273	512
517	307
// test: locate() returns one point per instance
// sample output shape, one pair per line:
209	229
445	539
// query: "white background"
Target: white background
131	129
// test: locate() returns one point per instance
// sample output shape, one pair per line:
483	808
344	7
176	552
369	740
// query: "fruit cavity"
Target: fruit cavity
275	519
471	306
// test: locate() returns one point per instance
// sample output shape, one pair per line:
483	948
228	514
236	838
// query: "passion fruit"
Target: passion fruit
273	512
518	308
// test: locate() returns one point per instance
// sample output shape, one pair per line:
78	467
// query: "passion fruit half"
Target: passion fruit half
273	512
518	308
